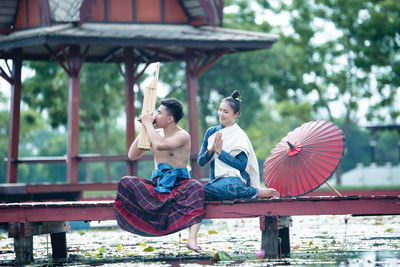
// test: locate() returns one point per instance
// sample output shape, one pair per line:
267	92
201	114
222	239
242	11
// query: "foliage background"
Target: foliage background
335	60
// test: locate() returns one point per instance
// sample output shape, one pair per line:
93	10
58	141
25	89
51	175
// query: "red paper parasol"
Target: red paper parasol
304	159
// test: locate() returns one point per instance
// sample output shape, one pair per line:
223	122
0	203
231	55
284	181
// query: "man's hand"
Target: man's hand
147	119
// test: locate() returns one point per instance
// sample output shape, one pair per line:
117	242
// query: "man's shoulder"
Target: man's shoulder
183	133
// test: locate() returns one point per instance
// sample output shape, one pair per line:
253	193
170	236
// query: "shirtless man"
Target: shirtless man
170	145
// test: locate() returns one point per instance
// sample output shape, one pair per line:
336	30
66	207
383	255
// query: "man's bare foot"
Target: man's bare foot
267	193
193	247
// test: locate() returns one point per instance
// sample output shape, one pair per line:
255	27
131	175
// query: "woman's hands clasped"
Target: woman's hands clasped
217	146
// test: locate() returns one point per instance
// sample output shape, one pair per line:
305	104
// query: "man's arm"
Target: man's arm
166	143
159	142
134	152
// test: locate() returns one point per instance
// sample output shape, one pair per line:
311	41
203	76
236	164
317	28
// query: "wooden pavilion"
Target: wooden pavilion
131	32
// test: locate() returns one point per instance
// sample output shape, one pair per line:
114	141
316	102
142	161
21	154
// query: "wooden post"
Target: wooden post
23	239
129	106
275	239
59	246
269	236
13	138
284	236
149	105
73	115
23	248
191	81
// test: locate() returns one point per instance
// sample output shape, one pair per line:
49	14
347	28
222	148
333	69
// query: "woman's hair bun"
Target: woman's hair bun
236	95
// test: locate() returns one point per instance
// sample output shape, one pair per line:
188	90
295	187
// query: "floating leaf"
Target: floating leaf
149	249
379	223
212	232
5	247
223	256
101	250
310	243
142	244
220	256
296	247
1	237
388	230
87	254
120	247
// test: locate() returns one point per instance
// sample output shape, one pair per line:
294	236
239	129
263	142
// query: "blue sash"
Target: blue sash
167	175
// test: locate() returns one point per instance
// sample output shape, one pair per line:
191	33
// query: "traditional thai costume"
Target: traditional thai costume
168	203
234	173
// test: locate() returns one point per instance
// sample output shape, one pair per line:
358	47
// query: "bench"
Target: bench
28	219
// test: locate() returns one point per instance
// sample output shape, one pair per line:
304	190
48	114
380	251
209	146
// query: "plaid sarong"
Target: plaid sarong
142	210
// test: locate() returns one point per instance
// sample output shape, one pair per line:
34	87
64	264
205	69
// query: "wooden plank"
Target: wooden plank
369	205
379	192
103	210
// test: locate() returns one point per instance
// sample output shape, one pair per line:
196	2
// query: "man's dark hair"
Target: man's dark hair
174	108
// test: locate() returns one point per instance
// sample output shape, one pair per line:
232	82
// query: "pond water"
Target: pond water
314	241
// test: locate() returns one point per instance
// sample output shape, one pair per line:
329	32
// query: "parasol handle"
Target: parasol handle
334	190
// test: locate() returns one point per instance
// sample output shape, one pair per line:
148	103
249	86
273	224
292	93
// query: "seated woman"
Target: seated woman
234	170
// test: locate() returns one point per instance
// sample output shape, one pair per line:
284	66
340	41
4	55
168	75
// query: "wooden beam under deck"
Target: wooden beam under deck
103	210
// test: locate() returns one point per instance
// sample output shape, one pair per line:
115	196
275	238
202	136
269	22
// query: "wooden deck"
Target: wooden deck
26	219
103	210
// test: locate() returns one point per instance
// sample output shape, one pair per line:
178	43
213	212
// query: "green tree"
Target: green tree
102	97
329	71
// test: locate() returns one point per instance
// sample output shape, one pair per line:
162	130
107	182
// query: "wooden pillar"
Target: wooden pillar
191	81
275	238
23	248
59	246
269	236
13	139
75	63
23	239
129	106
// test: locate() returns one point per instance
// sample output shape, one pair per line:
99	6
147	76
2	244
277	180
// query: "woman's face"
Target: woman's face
226	115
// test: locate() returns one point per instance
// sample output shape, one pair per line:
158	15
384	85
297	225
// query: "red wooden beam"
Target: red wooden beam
103	210
84	158
129	104
207	61
74	62
380	192
13	140
45	8
5	76
85	9
10	189
191	81
368	205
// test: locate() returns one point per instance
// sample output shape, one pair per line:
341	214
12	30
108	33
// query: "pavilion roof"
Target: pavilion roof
151	42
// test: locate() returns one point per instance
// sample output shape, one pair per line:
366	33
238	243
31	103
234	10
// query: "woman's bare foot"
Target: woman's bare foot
193	247
267	193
